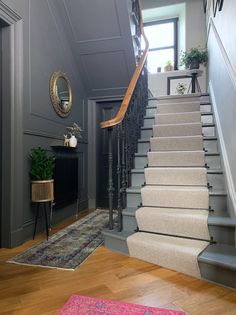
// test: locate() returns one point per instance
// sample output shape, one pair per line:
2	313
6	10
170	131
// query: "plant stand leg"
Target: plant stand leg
51	213
46	220
36	219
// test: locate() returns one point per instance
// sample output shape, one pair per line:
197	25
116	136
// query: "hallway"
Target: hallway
41	291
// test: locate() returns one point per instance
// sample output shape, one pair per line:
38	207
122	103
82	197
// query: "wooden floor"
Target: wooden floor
28	290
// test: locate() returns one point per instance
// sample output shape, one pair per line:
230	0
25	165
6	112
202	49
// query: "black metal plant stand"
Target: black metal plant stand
45	218
194	84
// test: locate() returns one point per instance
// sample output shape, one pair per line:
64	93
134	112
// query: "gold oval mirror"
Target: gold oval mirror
61	93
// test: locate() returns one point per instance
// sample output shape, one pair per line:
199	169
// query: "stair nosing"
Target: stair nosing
226	221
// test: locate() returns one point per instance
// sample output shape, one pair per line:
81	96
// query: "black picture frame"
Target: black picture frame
204	5
171	79
217	5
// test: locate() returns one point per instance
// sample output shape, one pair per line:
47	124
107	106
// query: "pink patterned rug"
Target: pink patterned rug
85	305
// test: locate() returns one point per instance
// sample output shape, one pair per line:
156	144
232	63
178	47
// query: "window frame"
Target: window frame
175	46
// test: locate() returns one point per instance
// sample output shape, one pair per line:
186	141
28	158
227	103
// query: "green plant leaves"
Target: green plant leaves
187	56
42	165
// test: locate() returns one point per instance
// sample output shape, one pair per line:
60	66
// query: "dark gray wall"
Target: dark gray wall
100	33
45	50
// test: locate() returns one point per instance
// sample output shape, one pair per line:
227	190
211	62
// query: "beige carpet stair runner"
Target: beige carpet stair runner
173	219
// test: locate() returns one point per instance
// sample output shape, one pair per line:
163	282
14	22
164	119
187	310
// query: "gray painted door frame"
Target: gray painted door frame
12	128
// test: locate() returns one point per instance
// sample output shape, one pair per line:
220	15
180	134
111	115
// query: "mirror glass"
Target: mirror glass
60	92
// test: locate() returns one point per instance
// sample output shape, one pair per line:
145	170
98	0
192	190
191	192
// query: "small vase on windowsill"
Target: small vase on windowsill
73	142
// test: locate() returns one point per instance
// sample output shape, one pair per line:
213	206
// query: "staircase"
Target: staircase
177	198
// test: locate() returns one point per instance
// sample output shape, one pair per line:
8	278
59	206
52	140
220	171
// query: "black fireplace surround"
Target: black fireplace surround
65	176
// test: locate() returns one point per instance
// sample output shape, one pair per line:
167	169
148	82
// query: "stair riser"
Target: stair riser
115	244
205	108
147	133
215	180
212	161
223	234
218	204
150	111
174	100
177	108
143	147
169	199
129	223
218	274
205	98
205	119
152	102
209	145
140	161
133	199
148	122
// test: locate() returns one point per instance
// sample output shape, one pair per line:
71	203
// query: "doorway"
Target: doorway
105	110
0	132
2	25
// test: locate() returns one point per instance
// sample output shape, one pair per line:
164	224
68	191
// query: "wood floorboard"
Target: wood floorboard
26	290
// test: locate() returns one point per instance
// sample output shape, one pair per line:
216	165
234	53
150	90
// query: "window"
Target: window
162	37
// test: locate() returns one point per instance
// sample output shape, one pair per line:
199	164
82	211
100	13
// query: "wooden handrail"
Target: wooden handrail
130	90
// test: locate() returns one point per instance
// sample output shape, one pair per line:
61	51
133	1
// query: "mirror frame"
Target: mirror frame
53	95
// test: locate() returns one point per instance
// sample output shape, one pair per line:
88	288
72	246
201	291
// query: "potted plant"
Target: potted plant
41	174
168	66
193	57
75	133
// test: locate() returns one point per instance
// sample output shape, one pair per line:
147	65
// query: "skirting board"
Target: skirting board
228	176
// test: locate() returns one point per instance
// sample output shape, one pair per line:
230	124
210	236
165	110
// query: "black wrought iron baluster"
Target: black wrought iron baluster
110	178
119	209
123	175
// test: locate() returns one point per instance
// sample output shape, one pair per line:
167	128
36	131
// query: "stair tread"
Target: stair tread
134	189
171	241
129	211
219	254
181	124
206	113
221	221
173	187
181	113
206	153
165	97
209	171
219	192
204	137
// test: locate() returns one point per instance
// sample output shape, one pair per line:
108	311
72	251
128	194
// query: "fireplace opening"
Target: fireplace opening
65	181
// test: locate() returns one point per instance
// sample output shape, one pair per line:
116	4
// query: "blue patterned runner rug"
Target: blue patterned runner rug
68	248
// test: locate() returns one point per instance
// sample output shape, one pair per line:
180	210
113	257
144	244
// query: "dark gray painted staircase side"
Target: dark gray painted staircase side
218	262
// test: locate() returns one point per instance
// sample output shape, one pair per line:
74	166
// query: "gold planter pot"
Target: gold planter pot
42	190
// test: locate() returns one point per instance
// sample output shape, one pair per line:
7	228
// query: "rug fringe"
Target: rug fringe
32	265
